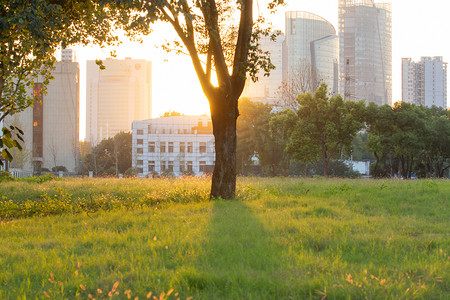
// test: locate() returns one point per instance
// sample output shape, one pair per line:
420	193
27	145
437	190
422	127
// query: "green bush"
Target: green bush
39	179
5	176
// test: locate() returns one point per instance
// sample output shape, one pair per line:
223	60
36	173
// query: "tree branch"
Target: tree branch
209	10
189	44
242	46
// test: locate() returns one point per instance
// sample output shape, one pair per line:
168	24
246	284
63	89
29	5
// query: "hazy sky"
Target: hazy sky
420	28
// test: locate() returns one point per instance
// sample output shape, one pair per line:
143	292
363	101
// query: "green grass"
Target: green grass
283	239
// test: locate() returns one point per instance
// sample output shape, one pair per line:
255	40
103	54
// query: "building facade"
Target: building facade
310	44
116	96
365	42
174	146
266	88
51	125
425	82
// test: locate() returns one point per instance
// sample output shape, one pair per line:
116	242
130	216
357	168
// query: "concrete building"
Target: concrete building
173	146
116	96
310	49
365	43
266	88
425	82
51	125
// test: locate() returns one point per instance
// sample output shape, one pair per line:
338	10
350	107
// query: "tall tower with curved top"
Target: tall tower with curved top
365	46
310	44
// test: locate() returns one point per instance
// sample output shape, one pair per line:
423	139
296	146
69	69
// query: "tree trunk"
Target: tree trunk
326	163
224	114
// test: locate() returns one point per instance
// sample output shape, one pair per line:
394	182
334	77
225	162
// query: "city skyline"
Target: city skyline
411	38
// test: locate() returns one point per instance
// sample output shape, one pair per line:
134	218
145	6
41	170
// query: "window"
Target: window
140	170
139	162
185	131
189	166
149	129
140	150
170	147
151	166
163	165
182	166
182	147
170	166
189	147
140	141
151	147
162	147
202	147
202	166
140	131
163	131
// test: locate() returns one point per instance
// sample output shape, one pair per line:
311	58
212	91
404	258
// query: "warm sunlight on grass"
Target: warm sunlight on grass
284	239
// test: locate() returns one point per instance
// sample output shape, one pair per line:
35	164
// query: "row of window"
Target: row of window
185	166
169	147
164	131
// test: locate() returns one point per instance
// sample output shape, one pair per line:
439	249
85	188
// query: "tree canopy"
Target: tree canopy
30	33
325	127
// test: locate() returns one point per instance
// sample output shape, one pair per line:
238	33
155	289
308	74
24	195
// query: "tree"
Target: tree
325	127
380	126
30	33
110	157
281	125
407	139
438	155
302	78
171	113
217	42
254	139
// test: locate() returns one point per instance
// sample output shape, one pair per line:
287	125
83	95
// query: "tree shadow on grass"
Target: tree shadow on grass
239	260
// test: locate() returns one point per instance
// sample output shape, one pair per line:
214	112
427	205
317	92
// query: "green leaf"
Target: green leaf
6	155
8	142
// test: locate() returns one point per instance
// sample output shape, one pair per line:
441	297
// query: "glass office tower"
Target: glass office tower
311	42
365	45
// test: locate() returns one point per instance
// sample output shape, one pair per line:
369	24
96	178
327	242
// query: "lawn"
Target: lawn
283	238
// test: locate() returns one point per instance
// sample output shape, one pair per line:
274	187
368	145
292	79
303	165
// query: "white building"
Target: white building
425	82
266	88
310	43
51	125
173	146
116	96
365	43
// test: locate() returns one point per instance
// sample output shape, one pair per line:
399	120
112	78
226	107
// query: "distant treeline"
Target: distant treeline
316	136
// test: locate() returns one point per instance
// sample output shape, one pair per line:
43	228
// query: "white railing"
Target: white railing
19	173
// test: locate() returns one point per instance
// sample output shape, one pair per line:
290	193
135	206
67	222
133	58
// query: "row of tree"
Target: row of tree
111	156
314	137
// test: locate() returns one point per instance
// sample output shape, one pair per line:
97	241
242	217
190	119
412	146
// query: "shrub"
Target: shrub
5	176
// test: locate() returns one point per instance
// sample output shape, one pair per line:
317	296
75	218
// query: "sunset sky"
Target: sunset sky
420	28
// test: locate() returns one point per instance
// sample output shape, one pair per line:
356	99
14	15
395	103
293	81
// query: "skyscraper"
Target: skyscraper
365	43
425	82
51	125
265	89
310	49
116	96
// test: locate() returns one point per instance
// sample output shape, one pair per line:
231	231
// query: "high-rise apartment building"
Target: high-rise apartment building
116	96
266	88
425	82
310	49
365	43
51	125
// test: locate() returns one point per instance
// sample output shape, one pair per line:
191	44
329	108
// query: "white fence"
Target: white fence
19	173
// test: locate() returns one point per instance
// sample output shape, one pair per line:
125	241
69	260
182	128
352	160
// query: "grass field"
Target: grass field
283	239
